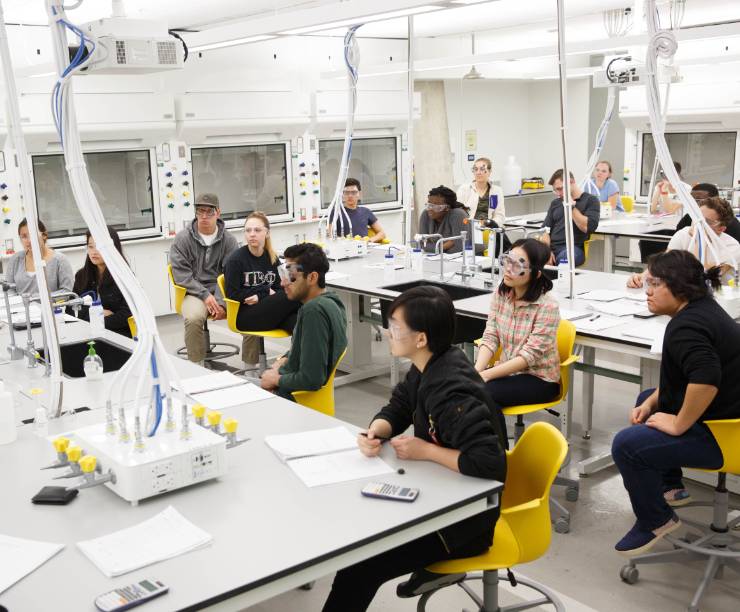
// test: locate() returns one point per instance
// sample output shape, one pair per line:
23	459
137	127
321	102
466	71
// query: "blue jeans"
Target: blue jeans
561	253
650	463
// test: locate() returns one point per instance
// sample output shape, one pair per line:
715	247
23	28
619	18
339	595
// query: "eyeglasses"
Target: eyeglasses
254	230
350	192
436	207
397	332
480	168
205	211
518	266
713	223
288	272
650	282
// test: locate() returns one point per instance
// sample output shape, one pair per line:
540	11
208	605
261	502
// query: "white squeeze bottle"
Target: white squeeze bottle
97	318
8	429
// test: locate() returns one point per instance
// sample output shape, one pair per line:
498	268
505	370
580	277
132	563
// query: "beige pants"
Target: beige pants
195	313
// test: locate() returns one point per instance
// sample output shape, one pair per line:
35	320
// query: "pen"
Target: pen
381	438
595	317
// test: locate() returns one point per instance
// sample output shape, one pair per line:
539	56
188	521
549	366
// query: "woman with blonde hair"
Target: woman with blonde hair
481	196
251	278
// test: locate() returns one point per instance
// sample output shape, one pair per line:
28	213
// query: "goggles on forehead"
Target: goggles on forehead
289	271
436	207
515	265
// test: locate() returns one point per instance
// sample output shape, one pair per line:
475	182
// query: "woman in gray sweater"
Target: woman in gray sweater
21	271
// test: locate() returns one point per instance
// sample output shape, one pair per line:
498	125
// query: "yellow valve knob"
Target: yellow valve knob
88	463
230	425
199	410
186	193
6	209
74	453
214	418
36	390
170	195
61	444
358	237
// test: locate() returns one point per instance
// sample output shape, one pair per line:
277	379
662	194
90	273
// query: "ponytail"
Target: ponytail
713	277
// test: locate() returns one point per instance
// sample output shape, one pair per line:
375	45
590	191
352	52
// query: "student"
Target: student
665	199
361	217
718	215
252	279
524	323
698	383
94	277
476	195
702	191
586	213
604	187
320	333
21	271
197	257
444	399
446	216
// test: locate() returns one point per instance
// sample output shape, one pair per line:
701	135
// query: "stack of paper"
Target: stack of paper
597	323
601	295
223	390
619	308
573	315
325	456
164	536
19	557
651	331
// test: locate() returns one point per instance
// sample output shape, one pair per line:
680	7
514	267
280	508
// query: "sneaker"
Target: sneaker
636	541
677	497
423	581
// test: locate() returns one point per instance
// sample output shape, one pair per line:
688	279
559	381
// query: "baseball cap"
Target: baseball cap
207	199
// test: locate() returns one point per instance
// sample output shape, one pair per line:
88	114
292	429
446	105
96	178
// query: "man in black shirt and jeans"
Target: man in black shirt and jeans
586	213
698	382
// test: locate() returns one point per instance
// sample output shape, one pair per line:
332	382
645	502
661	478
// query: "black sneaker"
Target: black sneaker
423	581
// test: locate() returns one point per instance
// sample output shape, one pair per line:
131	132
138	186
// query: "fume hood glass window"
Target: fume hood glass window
373	162
705	157
121	181
245	178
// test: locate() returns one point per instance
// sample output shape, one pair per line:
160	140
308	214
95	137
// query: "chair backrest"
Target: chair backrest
232	306
566	341
132	326
180	291
322	399
628	203
371	232
727	434
531	469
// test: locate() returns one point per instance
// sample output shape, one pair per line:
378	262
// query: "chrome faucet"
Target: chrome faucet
16	352
438	248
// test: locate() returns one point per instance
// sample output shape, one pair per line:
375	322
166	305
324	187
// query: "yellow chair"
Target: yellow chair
716	542
211	353
523	531
586	246
371	233
628	203
232	309
322	399
132	326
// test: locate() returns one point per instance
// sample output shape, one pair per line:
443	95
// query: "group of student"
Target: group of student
455	406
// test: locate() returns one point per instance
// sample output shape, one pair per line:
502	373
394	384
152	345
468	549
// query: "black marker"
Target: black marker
381	438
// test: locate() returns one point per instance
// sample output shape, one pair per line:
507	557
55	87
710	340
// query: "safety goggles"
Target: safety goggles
436	207
205	211
480	169
516	265
288	272
650	282
396	332
350	192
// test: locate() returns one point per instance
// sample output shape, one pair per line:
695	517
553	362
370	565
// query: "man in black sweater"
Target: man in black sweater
698	382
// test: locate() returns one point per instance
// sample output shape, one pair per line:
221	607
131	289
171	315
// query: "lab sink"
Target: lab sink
467	329
74	354
456	292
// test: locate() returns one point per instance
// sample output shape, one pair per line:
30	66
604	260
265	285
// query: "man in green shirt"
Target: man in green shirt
320	333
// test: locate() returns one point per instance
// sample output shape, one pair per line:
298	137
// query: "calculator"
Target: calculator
129	596
389	491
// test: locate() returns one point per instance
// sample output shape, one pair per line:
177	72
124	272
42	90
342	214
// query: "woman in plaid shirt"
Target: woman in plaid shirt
523	325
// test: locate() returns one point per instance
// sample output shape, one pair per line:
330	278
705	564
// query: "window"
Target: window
245	178
121	180
373	162
705	157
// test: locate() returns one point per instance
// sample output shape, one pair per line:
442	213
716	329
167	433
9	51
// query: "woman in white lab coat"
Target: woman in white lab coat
476	195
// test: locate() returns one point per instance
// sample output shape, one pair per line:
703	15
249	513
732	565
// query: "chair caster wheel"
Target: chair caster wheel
629	574
562	526
571	494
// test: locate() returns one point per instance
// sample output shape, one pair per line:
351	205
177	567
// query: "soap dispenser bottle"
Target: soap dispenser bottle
93	364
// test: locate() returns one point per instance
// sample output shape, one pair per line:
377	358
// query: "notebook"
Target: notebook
20	557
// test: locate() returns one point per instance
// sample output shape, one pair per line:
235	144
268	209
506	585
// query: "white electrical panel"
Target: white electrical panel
344	248
175	187
166	463
306	178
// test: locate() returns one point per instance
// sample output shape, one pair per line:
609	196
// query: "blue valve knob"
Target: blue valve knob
186	203
168	174
185	173
3	186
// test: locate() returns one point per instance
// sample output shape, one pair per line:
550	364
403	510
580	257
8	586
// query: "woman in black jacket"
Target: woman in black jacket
454	425
251	278
94	277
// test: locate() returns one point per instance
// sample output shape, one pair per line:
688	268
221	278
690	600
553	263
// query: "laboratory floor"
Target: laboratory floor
581	566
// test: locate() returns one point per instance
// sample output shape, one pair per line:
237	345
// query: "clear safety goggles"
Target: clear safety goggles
650	282
350	192
436	207
288	272
515	265
480	169
204	211
397	332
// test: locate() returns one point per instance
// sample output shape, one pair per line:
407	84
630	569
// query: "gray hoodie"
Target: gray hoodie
196	266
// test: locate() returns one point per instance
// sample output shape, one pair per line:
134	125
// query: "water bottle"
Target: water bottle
97	318
563	275
8	429
59	320
389	267
40	418
417	259
92	365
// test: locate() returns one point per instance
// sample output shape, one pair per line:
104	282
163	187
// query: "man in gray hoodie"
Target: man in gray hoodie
197	257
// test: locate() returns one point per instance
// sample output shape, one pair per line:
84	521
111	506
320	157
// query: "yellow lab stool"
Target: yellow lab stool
523	531
232	308
323	398
716	543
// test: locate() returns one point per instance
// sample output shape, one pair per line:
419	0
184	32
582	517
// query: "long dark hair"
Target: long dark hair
89	271
449	196
538	255
684	275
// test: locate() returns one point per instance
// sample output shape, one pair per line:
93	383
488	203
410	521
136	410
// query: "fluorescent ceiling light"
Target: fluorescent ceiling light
232	43
466	2
370	18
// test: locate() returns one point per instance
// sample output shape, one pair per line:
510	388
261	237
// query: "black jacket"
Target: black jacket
246	275
111	299
450	399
